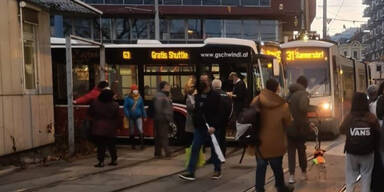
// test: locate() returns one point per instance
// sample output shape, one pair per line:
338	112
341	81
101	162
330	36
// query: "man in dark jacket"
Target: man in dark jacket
299	106
225	111
239	94
206	114
163	116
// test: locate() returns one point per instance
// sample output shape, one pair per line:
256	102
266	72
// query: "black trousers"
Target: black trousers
104	143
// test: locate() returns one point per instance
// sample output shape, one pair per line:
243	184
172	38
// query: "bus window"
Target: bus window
121	78
84	70
80	80
176	76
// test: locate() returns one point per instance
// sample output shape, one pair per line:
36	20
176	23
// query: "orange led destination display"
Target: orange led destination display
293	55
272	52
163	55
127	55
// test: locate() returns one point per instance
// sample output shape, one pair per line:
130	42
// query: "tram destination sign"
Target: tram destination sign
305	54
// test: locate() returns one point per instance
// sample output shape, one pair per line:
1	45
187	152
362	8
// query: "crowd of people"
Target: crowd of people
283	127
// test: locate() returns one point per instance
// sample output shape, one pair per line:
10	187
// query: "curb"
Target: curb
8	170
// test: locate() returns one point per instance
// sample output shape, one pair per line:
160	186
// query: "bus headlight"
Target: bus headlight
325	106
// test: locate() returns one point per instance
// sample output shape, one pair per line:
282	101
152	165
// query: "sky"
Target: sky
339	9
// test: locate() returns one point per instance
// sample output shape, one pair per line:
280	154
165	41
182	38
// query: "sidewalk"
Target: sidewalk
28	179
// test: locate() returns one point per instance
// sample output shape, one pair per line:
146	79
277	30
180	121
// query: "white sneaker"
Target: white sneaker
291	179
304	176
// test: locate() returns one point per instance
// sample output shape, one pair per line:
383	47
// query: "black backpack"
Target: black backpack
361	137
251	137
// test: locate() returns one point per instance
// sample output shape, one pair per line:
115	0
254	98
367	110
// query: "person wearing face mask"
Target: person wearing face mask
134	111
206	113
163	118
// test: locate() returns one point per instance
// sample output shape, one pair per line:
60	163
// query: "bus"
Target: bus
332	80
148	62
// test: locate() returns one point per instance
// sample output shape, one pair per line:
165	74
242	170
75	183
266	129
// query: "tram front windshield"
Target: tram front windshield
315	69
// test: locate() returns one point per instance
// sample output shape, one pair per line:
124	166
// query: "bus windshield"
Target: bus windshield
316	72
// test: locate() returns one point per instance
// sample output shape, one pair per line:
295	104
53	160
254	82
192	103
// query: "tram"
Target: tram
147	63
332	79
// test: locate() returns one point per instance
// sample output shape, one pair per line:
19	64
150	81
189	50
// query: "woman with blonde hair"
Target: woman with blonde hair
189	92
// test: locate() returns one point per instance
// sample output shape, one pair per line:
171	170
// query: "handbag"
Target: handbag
200	160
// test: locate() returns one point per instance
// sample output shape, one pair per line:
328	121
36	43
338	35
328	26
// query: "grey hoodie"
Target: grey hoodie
298	100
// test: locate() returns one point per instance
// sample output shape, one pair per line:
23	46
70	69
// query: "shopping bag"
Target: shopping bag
201	158
126	123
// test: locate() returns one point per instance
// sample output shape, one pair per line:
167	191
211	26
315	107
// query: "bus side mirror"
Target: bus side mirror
276	68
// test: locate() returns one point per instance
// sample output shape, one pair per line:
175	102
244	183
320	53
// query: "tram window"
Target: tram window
348	80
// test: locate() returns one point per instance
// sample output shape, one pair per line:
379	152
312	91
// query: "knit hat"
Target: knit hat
134	87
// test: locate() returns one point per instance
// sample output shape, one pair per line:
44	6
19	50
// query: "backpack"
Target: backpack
249	119
361	137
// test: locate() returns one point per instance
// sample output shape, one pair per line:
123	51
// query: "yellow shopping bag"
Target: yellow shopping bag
126	122
200	161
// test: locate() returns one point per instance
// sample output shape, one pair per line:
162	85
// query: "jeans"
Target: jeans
298	144
135	124
356	165
277	167
199	138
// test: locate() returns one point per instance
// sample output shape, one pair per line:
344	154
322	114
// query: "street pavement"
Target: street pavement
138	171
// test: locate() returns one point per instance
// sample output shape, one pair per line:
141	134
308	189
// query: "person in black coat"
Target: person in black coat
106	119
207	105
226	109
238	94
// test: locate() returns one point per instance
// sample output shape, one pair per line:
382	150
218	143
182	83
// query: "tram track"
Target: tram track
309	158
177	152
231	154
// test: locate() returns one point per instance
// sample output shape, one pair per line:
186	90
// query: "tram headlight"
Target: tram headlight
326	106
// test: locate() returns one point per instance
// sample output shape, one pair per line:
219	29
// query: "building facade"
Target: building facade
352	49
374	39
190	21
26	93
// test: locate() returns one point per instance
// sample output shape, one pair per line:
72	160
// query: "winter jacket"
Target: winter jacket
207	110
190	102
88	98
299	106
134	112
275	117
106	118
163	107
240	101
225	107
362	130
